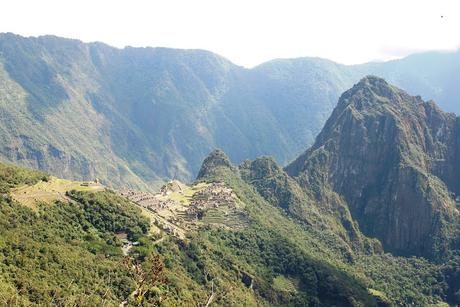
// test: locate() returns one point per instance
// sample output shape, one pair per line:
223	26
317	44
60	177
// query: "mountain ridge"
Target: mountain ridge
324	214
77	109
381	168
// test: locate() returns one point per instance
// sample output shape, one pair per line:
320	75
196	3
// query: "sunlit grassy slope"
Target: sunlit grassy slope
49	191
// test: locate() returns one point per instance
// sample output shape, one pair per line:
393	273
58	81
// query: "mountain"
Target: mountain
139	116
92	246
241	234
135	116
322	226
437	80
394	160
63	249
384	166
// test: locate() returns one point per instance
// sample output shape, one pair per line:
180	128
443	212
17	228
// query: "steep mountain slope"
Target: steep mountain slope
316	229
433	75
329	215
72	252
96	248
64	253
137	116
393	158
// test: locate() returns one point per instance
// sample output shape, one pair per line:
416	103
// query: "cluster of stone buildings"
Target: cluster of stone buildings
212	196
171	215
144	199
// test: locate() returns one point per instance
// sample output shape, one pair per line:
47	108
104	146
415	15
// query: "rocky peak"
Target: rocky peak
391	156
215	160
373	84
273	183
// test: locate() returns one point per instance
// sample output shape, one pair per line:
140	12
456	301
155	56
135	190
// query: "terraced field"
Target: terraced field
49	191
178	208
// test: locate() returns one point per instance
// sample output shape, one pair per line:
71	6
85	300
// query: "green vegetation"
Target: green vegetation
297	243
110	213
69	253
281	283
390	165
12	176
76	110
393	280
50	259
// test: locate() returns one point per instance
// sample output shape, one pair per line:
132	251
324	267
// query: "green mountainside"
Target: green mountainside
139	116
322	227
393	158
255	234
367	216
72	253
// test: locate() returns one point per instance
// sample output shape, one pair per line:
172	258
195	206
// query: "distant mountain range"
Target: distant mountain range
137	116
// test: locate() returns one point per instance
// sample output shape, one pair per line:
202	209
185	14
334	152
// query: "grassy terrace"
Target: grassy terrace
185	197
49	191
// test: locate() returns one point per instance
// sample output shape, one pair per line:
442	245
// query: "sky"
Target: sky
249	32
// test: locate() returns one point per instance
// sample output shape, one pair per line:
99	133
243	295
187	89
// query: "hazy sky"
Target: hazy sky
249	32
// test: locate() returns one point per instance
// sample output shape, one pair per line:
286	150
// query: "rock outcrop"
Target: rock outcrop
215	161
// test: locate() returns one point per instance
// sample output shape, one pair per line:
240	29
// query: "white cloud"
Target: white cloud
249	32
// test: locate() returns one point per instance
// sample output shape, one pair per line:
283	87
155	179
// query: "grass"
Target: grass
185	197
49	191
224	216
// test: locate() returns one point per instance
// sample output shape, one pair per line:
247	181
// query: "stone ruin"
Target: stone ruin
213	196
171	187
144	199
188	215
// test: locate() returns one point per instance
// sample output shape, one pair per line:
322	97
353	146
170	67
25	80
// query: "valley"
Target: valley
218	232
331	187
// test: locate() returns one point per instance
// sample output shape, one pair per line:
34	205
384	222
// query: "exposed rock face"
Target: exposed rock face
281	190
139	116
329	216
393	158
